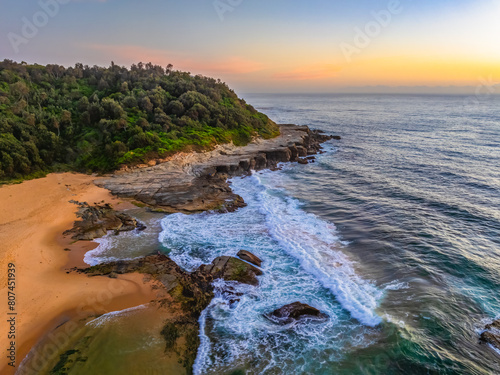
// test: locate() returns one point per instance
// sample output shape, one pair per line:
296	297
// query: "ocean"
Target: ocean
393	232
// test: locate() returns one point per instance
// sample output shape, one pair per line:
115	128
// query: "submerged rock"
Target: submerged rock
249	257
97	220
294	312
491	334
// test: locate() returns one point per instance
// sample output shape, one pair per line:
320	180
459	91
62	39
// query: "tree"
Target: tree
103	85
175	107
146	104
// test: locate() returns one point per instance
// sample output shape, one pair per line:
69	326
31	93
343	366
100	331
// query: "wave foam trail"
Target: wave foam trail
314	244
223	292
203	356
106	318
128	245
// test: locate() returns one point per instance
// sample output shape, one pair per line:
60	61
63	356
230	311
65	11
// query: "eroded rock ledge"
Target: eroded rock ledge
295	312
191	288
199	182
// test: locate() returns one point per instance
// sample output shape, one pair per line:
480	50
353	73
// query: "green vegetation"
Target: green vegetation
66	360
94	119
192	344
170	333
187	351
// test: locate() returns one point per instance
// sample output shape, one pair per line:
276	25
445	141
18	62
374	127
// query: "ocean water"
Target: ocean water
394	232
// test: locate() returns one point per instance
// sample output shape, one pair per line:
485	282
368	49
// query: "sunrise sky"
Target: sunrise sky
271	45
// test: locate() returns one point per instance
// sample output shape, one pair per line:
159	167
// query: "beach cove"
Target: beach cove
39	211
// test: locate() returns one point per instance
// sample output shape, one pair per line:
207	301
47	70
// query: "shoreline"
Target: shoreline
33	216
46	214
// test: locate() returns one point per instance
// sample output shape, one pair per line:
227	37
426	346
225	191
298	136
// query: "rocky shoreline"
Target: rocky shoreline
189	186
199	182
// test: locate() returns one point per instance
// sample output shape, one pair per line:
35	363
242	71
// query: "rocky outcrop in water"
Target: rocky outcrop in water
491	334
231	269
97	220
294	312
192	291
249	257
199	182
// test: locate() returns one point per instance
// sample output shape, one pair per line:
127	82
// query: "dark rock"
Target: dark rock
231	269
249	257
491	334
302	151
494	325
303	161
97	220
192	290
189	293
294	312
337	137
489	338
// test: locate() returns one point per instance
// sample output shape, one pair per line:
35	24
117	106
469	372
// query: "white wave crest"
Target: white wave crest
314	243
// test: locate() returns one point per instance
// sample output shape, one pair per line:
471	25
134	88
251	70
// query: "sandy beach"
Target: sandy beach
33	216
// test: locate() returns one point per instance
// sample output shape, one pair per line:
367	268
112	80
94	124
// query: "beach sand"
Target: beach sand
33	216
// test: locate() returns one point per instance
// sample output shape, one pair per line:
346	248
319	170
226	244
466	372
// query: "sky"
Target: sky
271	45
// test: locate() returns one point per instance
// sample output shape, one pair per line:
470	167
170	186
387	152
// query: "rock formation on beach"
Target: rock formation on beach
249	257
231	269
97	220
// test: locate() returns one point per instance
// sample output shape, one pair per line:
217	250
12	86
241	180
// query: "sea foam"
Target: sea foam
315	244
302	261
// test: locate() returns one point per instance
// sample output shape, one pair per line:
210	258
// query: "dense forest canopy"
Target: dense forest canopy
96	119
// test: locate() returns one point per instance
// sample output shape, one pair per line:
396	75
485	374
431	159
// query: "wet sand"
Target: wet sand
33	216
